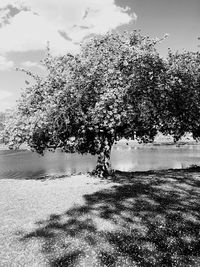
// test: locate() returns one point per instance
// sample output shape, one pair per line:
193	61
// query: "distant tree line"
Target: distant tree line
117	86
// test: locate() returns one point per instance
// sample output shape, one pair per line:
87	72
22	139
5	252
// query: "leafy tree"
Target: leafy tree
181	95
4	115
2	120
86	102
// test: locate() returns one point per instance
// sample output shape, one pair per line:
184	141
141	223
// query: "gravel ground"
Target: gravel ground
134	219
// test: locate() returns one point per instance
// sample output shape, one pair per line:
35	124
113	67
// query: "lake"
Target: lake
23	164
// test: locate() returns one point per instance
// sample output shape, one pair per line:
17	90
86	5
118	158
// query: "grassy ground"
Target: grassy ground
133	219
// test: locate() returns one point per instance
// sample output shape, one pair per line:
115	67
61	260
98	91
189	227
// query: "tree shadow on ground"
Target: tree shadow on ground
144	219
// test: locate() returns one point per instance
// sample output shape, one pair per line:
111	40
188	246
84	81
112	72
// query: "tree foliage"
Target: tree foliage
4	116
181	95
2	120
86	102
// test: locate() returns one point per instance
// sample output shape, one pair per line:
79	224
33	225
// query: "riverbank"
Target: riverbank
133	219
160	140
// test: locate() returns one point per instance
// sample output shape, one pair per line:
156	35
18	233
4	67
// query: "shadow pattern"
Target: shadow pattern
144	219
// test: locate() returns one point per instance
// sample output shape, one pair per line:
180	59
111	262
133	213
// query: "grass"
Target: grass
133	219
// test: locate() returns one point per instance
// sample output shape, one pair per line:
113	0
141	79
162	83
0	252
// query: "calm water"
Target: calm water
24	164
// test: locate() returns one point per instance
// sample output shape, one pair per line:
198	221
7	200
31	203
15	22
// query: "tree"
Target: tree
4	115
86	102
2	120
181	95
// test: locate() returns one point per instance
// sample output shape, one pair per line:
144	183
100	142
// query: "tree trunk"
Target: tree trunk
103	168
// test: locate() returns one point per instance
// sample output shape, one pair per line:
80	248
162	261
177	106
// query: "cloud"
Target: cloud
28	32
6	105
14	3
31	64
6	100
5	64
63	23
4	94
79	18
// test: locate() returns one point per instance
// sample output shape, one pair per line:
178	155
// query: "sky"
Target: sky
26	26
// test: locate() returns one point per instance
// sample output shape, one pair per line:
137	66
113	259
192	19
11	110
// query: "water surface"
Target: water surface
24	164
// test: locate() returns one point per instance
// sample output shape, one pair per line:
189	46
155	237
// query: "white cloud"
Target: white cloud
27	32
6	100
4	14
31	64
79	18
5	64
14	3
30	30
4	94
6	105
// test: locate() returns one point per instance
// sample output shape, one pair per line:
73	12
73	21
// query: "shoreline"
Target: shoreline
133	144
